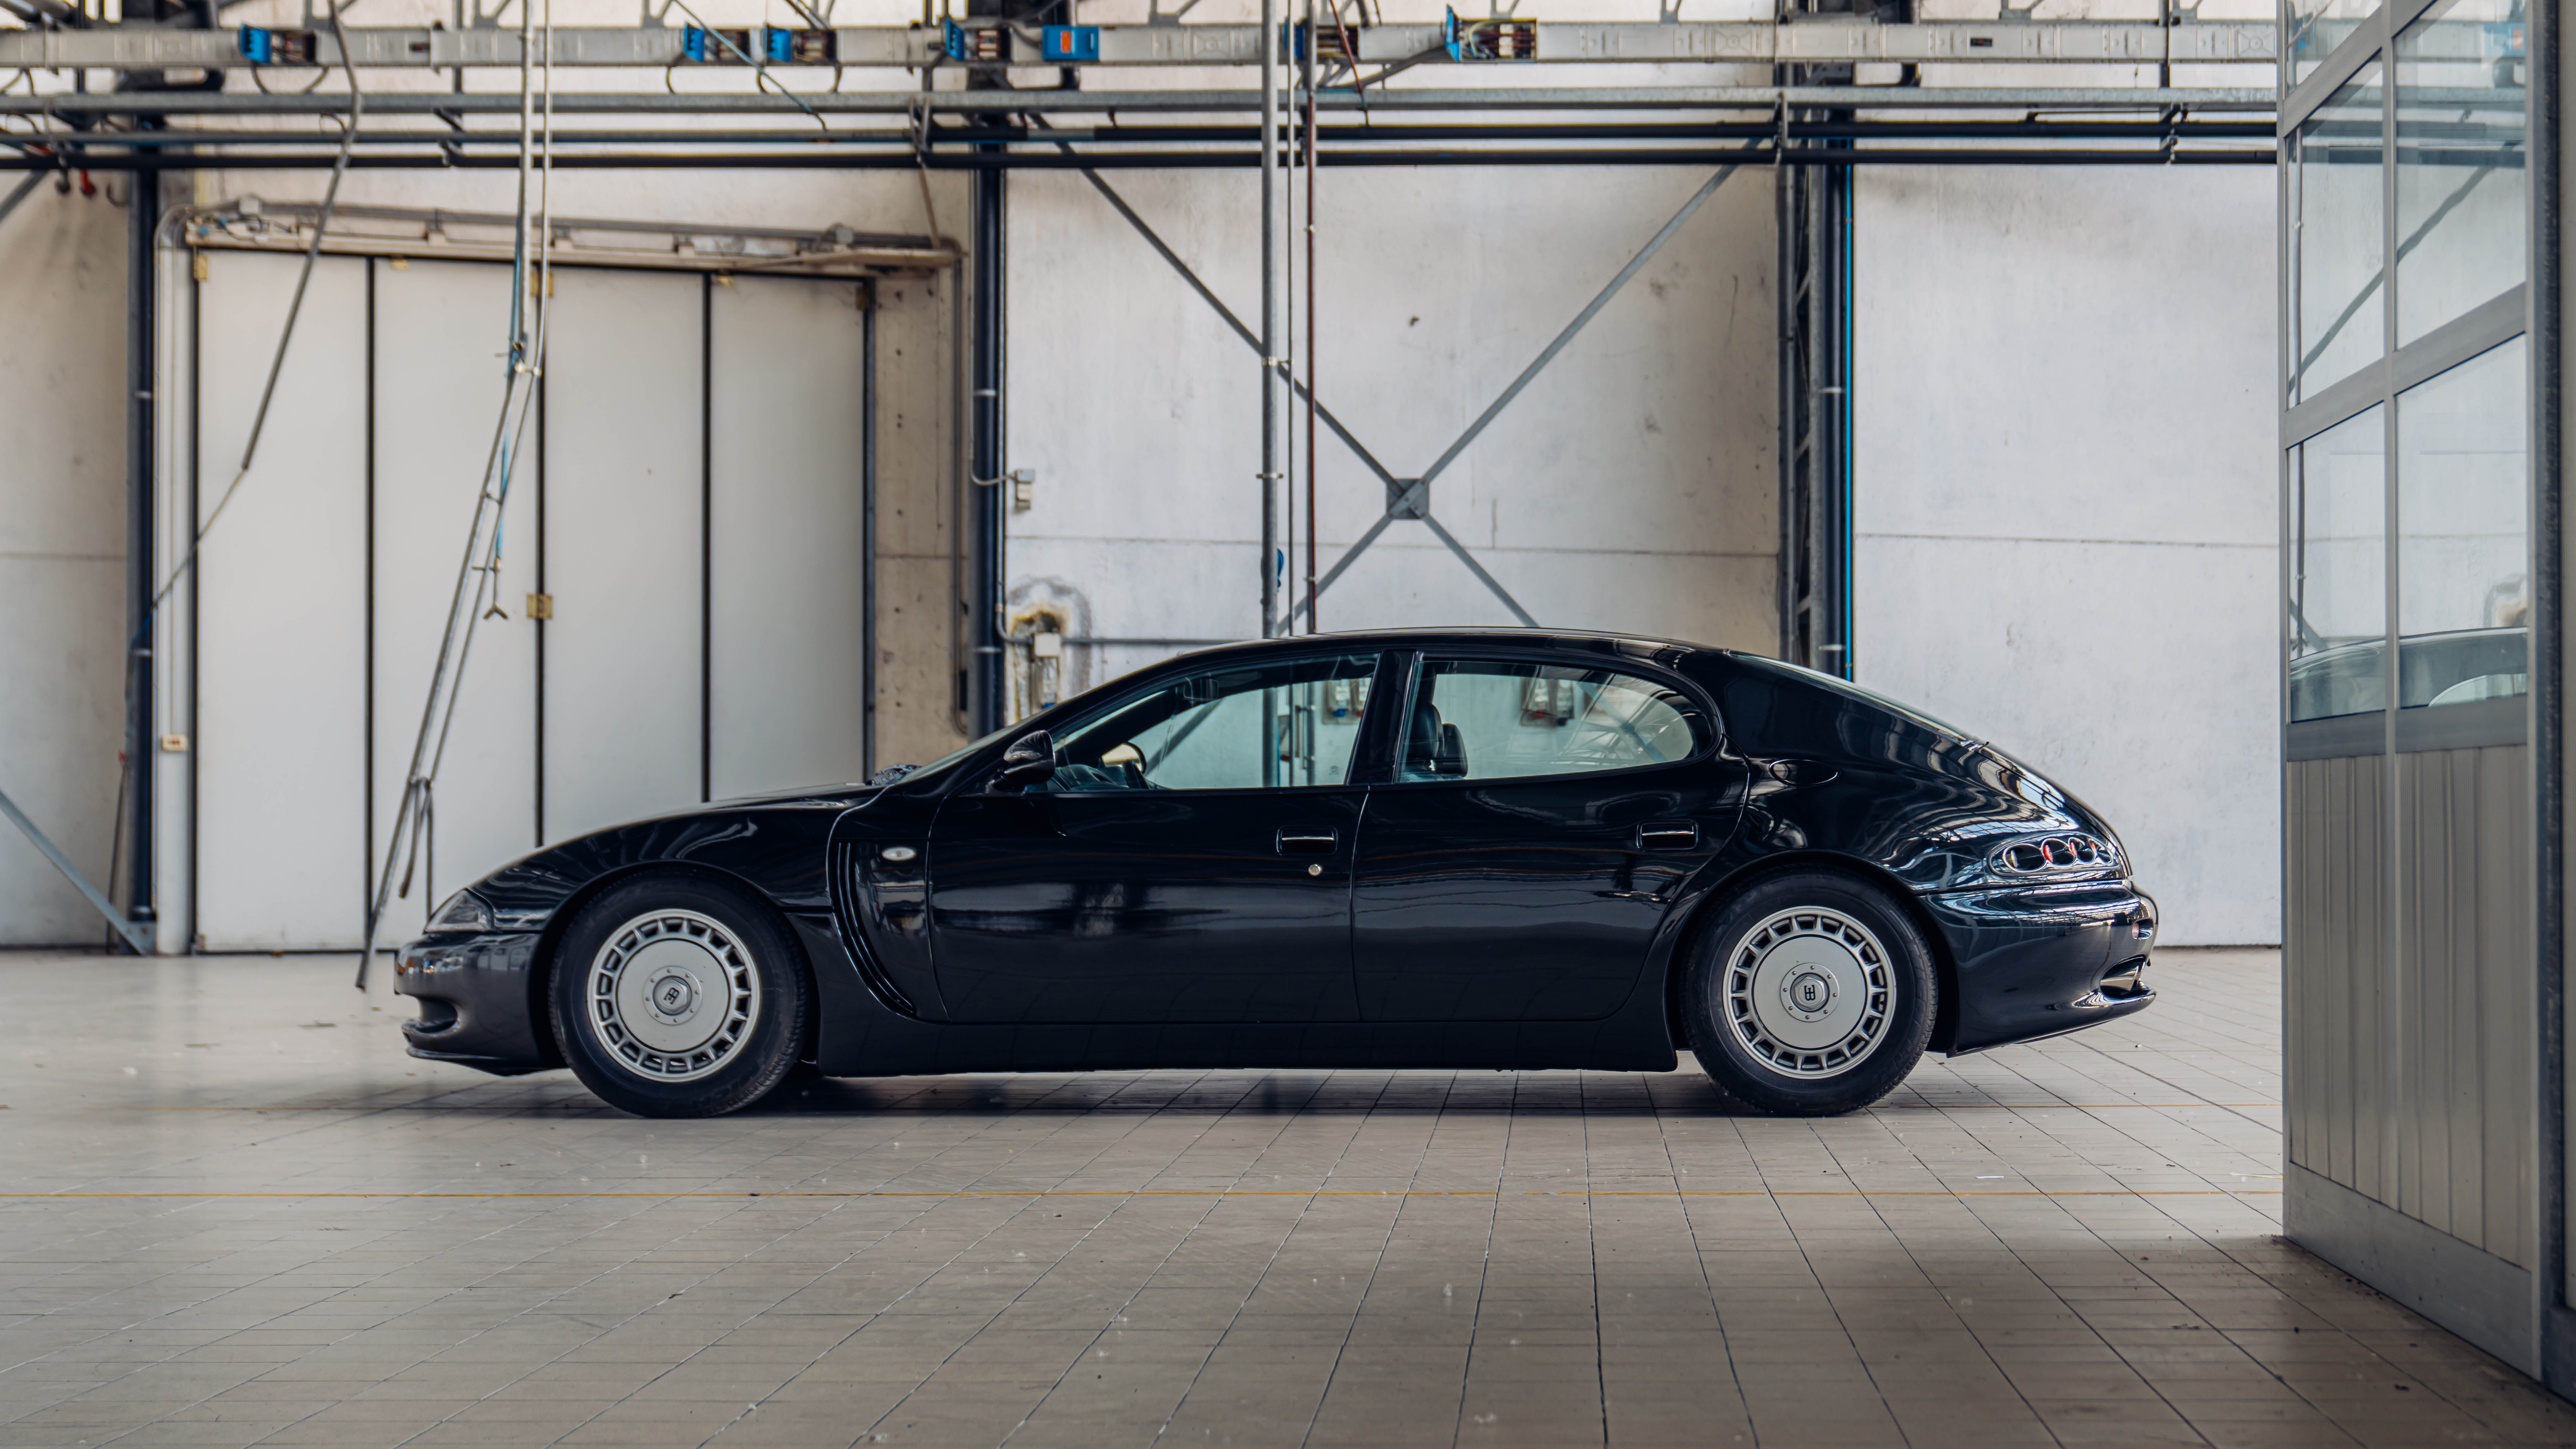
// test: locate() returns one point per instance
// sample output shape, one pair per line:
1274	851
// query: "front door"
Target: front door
1190	860
1542	819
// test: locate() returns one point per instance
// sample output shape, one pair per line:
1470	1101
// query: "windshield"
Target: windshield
944	761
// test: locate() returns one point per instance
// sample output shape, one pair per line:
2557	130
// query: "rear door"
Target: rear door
1542	818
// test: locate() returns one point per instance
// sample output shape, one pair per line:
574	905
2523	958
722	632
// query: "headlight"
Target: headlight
462	912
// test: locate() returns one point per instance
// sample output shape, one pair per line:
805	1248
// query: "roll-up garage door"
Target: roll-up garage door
691	501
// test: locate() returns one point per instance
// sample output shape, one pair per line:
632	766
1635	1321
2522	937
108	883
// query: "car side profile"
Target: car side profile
1412	849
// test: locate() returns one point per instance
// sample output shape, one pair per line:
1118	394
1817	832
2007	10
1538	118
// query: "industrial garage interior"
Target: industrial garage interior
437	432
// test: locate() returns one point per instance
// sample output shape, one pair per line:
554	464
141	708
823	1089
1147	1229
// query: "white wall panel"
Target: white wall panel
62	553
281	661
787	662
439	331
1629	487
2067	500
623	534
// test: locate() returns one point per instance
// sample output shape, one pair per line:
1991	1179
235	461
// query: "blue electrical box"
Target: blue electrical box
779	45
696	43
276	47
1070	42
986	43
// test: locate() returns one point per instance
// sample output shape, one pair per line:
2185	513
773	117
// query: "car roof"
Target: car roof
1418	635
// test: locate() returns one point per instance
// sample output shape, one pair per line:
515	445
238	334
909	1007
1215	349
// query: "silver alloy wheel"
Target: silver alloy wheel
1809	993
673	996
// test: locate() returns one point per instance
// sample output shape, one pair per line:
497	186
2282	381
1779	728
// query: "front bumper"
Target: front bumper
476	1005
2039	960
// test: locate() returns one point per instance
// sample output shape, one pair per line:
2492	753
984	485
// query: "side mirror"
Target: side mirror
1030	759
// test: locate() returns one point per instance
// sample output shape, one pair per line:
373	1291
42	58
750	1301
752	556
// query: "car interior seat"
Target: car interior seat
1433	749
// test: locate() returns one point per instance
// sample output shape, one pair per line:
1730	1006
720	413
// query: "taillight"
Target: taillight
2048	854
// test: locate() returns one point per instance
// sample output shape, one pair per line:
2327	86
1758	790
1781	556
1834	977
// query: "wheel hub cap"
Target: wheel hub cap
673	995
1809	993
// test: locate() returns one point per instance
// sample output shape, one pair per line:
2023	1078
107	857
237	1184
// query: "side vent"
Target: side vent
2126	981
850	899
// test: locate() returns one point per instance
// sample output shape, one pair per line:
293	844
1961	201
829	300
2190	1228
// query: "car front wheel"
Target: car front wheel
1813	994
678	996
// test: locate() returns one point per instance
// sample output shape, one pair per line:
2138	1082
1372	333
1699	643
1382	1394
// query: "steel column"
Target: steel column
1815	418
988	694
1271	367
143	212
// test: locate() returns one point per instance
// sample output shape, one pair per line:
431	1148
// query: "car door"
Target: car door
1188	861
1542	818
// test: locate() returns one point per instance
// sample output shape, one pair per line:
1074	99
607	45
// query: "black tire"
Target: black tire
1811	994
718	957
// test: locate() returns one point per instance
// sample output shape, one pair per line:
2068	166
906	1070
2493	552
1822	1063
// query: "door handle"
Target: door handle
1309	842
1668	835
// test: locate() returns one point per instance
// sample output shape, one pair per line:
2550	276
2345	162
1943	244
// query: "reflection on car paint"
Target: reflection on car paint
1444	921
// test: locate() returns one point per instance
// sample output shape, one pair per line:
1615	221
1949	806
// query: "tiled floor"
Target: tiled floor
235	1213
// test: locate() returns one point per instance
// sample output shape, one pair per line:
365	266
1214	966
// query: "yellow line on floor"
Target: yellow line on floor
1219	1192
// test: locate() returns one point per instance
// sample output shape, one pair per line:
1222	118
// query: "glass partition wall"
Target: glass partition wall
2415	1120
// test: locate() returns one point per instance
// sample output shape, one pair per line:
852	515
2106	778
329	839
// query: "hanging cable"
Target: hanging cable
478	572
127	764
286	335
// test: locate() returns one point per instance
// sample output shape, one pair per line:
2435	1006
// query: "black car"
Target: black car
1436	849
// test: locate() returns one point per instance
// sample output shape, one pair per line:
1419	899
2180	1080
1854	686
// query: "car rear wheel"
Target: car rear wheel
678	996
1812	994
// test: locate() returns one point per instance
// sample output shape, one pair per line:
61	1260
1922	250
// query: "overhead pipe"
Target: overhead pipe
1209	135
993	161
1374	103
1982	131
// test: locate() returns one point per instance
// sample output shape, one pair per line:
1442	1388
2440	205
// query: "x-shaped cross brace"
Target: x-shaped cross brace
1411	497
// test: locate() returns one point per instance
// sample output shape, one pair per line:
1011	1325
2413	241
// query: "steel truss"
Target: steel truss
997	44
775	100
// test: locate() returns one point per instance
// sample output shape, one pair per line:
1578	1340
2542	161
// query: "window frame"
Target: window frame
2398	369
1702	750
1363	755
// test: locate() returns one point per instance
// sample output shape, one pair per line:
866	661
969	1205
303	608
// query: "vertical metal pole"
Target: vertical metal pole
1314	43
868	533
1784	219
143	214
990	697
1834	215
2549	694
1270	469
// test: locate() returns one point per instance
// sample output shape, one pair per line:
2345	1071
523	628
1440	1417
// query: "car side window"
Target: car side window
1493	719
1246	727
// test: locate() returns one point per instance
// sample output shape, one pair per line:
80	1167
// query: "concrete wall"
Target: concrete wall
2066	486
1630	487
2067	498
62	549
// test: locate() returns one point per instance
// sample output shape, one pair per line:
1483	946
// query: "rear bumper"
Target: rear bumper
2032	961
475	1003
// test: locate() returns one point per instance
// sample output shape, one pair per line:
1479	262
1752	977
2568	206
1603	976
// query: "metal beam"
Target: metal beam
1592	309
1546	355
1243	333
1298	389
1979	132
915	47
108	159
2144	100
19	193
137	934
